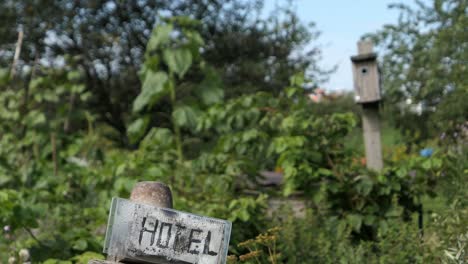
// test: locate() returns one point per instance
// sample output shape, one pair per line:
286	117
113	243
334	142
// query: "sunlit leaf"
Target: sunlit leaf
178	60
160	36
158	136
80	244
137	129
355	220
210	90
153	88
185	115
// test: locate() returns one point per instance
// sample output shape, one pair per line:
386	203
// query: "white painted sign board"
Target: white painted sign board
148	234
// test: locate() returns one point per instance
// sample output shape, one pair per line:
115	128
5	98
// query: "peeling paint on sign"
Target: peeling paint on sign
150	234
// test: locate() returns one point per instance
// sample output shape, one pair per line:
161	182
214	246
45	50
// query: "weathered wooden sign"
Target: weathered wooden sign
149	234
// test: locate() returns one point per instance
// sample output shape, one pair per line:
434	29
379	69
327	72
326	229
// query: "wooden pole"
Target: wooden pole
367	88
371	127
17	53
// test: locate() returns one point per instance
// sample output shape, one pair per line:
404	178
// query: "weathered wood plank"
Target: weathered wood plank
371	128
148	234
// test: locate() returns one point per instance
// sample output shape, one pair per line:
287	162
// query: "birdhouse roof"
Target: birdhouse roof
364	57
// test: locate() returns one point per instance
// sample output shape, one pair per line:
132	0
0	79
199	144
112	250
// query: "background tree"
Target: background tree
424	63
106	41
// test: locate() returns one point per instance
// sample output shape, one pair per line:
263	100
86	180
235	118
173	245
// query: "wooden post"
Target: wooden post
371	127
367	89
17	53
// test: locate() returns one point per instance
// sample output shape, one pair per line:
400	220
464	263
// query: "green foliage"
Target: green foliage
87	256
178	60
185	116
154	87
451	115
137	129
355	210
58	170
245	207
160	36
424	63
330	240
159	79
109	40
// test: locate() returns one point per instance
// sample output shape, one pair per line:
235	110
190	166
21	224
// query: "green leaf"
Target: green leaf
402	172
154	87
355	220
3	75
34	118
160	36
85	96
185	116
364	186
210	90
154	172
369	220
436	163
283	143
36	82
195	38
178	60
393	212
244	215
87	256
325	172
383	226
427	164
297	79
73	75
120	169
79	88
151	63
158	136
124	185
291	91
137	129
57	261
211	95
80	245
289	188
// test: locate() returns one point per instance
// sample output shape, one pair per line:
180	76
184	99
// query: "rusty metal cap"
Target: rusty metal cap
153	193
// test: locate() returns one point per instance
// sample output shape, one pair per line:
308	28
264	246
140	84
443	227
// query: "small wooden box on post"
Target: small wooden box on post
366	74
368	94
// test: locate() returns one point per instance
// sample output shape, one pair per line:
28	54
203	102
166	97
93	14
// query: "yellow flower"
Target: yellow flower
246	243
250	255
231	259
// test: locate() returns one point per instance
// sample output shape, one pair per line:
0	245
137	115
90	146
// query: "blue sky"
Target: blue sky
342	23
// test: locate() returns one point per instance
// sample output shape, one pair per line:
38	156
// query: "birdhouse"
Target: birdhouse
366	74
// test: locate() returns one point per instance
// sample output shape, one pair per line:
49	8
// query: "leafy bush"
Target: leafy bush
58	171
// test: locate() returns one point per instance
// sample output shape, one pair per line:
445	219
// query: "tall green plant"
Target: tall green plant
172	51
